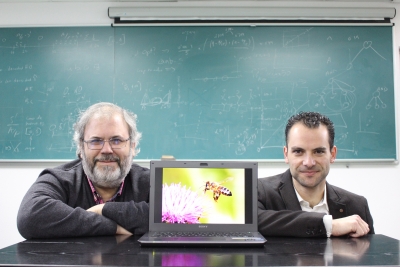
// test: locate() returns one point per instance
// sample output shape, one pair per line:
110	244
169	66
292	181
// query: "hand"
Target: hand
351	225
122	231
97	209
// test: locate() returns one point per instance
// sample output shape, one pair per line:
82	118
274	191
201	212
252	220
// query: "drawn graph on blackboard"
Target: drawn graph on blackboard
199	92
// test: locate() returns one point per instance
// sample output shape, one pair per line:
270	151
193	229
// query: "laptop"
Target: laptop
203	203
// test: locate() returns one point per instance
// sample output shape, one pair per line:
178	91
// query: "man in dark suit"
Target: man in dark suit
299	202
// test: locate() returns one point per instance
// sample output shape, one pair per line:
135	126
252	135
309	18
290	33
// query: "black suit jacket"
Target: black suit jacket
280	214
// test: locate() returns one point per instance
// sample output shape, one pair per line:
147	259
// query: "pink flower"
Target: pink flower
180	205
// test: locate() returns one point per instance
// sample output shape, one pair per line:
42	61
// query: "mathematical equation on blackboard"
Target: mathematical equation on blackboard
199	92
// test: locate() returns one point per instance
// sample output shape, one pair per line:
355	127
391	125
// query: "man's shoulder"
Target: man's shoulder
139	172
277	177
276	181
70	165
140	169
343	194
64	171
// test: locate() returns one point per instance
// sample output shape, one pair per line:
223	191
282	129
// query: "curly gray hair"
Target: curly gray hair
105	108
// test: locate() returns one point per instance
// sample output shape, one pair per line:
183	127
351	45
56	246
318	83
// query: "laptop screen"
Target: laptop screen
203	193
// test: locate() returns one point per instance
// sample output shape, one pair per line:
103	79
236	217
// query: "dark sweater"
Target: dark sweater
55	205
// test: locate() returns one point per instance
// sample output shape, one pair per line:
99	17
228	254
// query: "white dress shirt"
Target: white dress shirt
321	207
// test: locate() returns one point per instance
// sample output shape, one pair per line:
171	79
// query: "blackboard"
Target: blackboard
200	92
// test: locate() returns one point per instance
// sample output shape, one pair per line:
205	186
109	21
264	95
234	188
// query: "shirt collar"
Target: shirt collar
97	198
306	205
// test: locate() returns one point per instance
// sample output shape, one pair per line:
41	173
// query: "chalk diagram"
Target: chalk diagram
376	101
251	80
219	91
338	96
50	87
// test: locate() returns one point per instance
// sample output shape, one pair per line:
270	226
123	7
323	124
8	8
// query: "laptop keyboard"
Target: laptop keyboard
202	234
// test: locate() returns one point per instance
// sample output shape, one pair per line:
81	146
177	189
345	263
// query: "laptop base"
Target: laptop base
148	241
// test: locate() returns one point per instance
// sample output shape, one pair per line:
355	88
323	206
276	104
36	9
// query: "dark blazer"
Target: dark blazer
280	214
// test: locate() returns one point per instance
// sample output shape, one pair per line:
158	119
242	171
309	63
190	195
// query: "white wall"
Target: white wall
379	183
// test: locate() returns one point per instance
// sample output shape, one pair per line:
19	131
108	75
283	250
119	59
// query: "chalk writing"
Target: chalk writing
220	92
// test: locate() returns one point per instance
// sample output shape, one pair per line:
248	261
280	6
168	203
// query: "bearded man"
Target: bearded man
100	193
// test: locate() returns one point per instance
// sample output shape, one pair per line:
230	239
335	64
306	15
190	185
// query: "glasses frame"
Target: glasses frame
104	141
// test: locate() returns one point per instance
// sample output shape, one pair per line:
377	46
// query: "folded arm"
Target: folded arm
44	214
52	209
131	217
290	223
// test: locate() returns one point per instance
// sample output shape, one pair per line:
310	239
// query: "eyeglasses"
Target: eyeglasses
98	144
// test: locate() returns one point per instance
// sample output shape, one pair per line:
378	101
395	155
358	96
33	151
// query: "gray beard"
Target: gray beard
107	177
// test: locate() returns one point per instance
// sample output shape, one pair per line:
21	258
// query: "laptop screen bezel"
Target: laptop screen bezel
251	176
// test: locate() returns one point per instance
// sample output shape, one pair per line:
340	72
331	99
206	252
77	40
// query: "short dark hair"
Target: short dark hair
311	120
